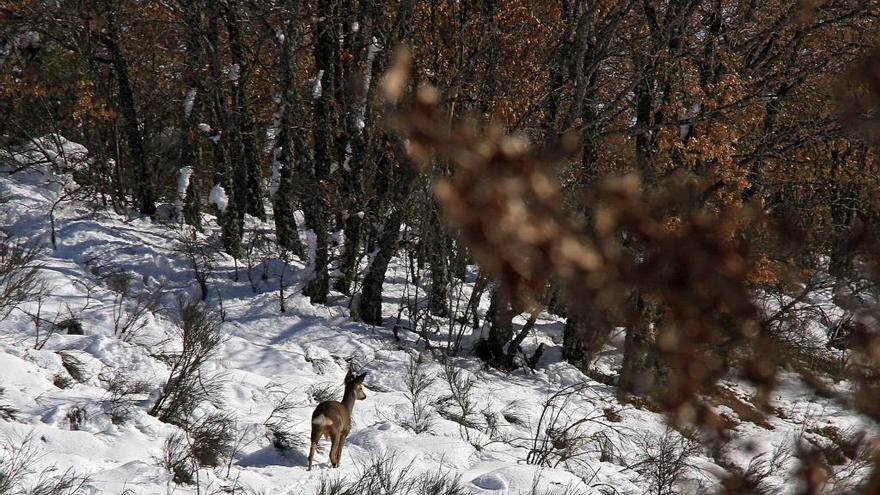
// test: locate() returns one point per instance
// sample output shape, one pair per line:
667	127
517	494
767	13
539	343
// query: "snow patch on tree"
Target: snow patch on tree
183	177
218	197
189	100
346	164
275	180
272	145
208	130
311	245
372	50
233	72
337	238
317	88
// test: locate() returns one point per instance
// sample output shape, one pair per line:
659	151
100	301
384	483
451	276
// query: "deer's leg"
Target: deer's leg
316	435
339	449
334	445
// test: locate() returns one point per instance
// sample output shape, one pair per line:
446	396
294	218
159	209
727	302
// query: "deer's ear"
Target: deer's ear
360	378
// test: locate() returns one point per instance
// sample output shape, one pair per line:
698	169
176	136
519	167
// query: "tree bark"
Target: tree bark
248	196
229	219
500	317
144	194
438	262
642	370
325	54
286	231
370	304
190	154
359	125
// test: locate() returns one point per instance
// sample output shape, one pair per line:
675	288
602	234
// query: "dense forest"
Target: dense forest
692	171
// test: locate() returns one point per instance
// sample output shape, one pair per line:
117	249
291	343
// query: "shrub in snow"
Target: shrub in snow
61	380
281	424
47	155
459	405
19	475
439	482
257	250
757	477
321	392
201	256
177	459
285	439
479	426
124	392
74	367
131	308
77	417
7	412
212	438
418	380
187	385
563	435
45	326
382	474
16	465
19	275
665	460
204	443
535	489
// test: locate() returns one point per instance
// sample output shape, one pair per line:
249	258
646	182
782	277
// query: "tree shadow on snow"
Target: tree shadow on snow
270	456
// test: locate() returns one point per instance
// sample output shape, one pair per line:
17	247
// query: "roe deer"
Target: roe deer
333	419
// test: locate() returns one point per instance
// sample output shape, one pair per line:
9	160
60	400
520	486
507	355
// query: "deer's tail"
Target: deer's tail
321	420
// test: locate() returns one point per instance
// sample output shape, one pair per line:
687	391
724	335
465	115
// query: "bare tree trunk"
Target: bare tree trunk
229	219
500	318
325	54
286	231
248	196
438	261
190	154
370	304
642	367
145	196
642	371
359	125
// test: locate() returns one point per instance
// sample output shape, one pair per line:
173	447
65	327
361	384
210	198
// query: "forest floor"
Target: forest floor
56	384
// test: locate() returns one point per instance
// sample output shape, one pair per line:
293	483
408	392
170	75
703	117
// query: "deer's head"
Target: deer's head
355	383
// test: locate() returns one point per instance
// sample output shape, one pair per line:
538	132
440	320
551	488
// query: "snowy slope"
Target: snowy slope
267	354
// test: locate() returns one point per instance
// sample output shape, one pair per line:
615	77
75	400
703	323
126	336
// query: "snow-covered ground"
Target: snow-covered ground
267	355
